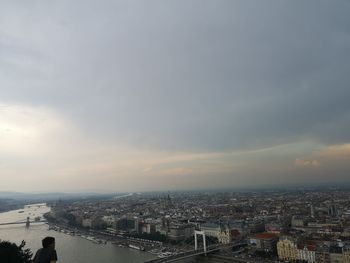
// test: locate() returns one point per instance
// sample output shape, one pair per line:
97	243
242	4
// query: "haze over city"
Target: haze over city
158	95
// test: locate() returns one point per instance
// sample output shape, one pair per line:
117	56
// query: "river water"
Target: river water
69	248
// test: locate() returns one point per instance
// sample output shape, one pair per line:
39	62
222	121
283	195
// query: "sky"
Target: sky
113	96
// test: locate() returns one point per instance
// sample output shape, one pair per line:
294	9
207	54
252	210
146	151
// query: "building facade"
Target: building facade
287	249
307	253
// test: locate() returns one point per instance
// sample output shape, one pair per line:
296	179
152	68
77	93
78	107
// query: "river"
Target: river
69	248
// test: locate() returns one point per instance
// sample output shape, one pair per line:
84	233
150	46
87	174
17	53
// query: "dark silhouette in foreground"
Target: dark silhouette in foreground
46	254
11	253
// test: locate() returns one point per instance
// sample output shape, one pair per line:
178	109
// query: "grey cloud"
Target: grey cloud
184	75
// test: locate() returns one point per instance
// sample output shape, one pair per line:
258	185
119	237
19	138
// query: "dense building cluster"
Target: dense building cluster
300	225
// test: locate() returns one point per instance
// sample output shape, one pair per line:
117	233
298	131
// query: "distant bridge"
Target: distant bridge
22	222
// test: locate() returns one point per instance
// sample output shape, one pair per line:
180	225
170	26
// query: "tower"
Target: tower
196	232
312	212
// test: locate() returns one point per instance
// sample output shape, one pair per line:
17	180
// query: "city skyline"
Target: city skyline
125	96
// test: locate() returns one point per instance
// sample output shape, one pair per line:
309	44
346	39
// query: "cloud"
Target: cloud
307	163
184	77
45	150
340	151
335	157
176	171
237	92
27	130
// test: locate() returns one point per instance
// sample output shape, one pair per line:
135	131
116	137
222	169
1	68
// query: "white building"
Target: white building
307	253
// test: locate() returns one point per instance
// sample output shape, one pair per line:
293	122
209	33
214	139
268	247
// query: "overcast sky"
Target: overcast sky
163	95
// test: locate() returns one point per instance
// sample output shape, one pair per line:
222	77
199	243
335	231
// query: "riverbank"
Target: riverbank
100	237
70	248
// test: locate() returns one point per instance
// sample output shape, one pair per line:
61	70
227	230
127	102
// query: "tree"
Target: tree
11	253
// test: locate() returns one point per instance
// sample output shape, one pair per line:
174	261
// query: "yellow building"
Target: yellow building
346	256
224	236
287	249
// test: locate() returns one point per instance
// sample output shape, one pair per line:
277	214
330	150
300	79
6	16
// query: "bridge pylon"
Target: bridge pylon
196	232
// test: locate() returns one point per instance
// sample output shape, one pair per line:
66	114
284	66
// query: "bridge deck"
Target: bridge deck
184	255
188	254
24	222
